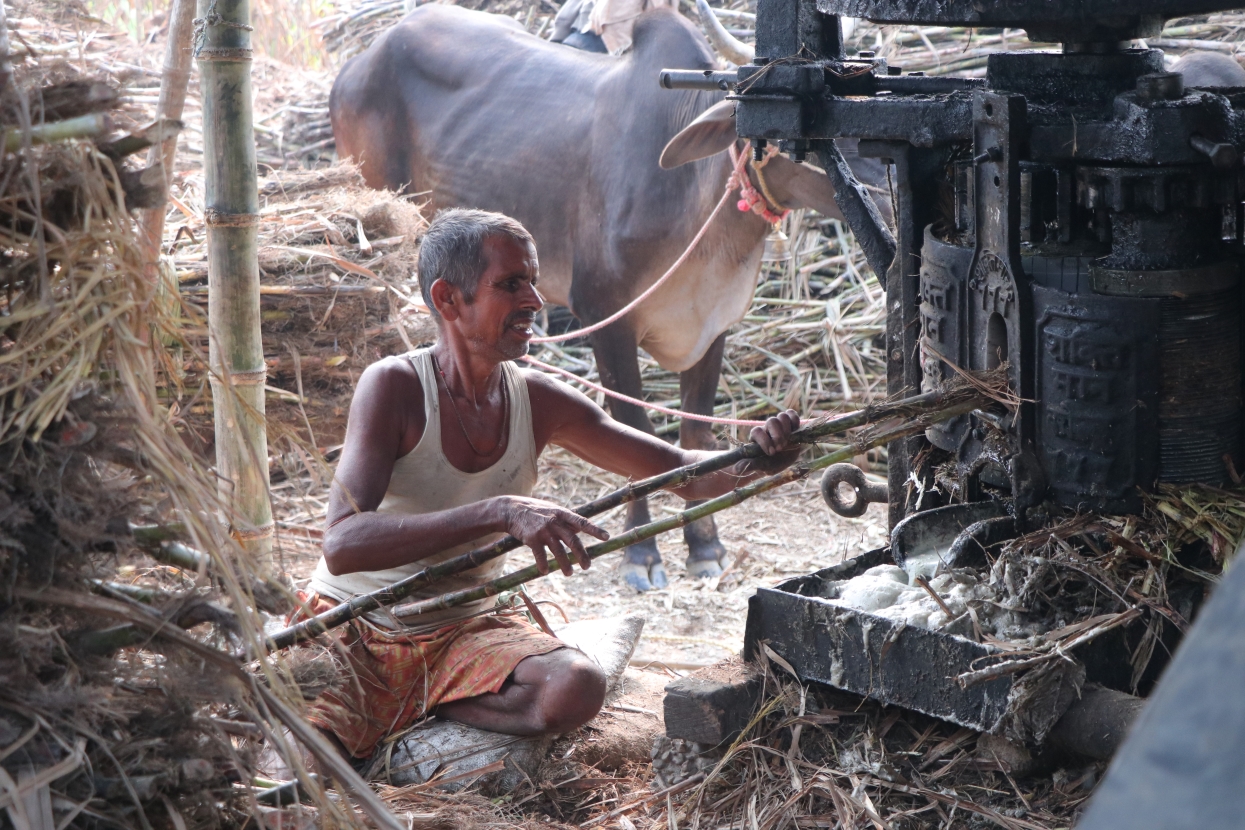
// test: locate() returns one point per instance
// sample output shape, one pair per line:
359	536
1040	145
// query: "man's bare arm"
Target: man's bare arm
380	431
569	419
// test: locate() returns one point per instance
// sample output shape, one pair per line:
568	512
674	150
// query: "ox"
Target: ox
476	112
1210	69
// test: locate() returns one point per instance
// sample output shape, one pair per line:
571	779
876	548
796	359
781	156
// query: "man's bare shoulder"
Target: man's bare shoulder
387	388
388	405
394	373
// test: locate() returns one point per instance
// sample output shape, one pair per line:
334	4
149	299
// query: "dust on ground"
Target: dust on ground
693	622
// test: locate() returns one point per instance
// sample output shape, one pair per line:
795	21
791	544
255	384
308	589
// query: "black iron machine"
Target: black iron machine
1075	218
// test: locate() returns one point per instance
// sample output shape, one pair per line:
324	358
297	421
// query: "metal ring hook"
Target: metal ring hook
865	492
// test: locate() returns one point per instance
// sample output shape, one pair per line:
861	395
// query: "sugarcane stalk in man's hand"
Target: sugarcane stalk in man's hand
875	438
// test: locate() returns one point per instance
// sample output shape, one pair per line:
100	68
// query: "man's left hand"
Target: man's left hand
774	438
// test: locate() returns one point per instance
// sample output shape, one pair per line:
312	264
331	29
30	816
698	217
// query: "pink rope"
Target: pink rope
751	199
643	404
737	176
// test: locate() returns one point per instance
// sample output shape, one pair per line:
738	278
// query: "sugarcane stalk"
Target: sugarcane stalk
223	49
174	81
707	508
366	603
160	543
106	641
83	126
796	472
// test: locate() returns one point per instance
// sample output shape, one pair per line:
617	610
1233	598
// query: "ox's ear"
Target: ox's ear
711	133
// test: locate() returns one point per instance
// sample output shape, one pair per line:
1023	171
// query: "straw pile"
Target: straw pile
119	706
811	757
291	119
814	757
337	262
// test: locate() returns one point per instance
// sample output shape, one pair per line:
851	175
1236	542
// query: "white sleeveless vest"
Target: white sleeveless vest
424	481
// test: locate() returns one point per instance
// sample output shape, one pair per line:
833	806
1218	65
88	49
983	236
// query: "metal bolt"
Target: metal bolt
993	154
896	355
796	150
758	149
1222	156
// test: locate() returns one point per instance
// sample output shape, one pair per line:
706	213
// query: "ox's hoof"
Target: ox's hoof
705	551
644	577
704	568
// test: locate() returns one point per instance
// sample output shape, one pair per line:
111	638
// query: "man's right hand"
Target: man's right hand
544	526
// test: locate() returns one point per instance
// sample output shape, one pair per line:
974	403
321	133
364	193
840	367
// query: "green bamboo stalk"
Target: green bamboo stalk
366	603
84	126
737	496
223	49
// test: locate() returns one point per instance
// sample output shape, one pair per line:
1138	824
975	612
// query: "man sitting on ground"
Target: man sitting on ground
440	458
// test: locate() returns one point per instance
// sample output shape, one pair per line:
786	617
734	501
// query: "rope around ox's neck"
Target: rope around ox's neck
750	200
738	175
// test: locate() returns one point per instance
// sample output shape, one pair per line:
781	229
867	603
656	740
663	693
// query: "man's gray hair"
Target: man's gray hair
453	249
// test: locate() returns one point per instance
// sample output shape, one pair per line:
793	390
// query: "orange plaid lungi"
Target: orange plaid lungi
403	676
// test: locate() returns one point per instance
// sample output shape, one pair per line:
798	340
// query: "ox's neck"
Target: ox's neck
734	232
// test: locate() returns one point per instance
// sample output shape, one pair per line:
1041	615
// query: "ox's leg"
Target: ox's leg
615	349
697	388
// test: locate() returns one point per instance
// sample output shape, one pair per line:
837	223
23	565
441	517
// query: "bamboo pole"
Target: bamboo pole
913	407
174	80
223	49
739	495
6	67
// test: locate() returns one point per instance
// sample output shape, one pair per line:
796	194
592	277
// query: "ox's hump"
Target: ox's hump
458	47
664	33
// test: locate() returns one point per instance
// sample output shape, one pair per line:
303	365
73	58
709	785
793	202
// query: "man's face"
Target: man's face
500	317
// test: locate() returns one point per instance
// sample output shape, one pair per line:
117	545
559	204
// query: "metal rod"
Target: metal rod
696	79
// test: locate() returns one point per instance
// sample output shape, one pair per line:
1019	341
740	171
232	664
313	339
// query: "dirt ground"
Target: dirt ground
693	622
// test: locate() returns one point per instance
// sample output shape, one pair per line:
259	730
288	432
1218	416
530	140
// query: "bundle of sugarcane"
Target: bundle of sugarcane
938	50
